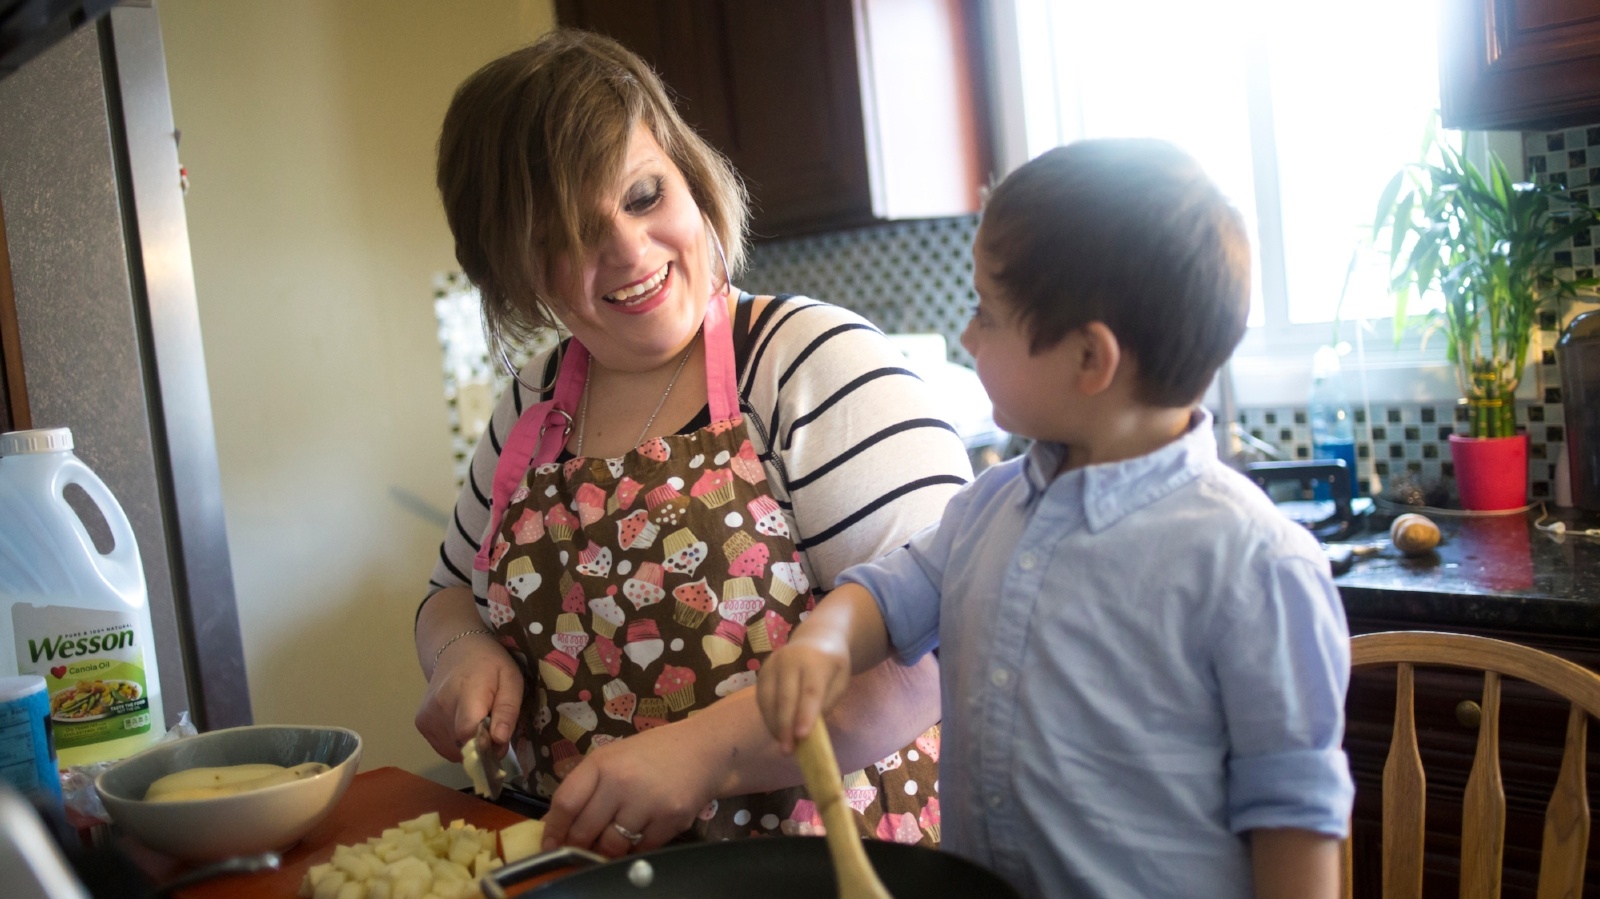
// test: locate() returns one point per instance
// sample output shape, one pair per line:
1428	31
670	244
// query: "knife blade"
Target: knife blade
481	763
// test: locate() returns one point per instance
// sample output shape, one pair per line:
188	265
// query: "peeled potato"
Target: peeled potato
1414	534
200	778
521	840
225	780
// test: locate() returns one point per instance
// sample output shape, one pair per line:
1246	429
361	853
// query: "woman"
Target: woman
631	542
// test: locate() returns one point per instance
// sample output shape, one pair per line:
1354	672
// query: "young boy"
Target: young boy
1144	664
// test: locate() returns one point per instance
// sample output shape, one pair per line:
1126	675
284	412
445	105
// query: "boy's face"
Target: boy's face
1030	391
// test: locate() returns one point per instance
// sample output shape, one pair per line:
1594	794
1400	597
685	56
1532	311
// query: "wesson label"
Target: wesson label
79	645
93	669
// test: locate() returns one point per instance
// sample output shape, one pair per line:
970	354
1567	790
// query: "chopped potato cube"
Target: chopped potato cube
328	887
308	884
420	858
427	824
409	888
521	840
463	850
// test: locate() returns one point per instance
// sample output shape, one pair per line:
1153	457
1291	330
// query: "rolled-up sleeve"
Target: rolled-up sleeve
1283	679
907	585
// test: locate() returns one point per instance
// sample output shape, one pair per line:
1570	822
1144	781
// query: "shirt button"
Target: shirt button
996	800
1027	561
1000	677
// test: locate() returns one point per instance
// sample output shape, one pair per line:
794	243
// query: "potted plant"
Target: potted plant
1486	243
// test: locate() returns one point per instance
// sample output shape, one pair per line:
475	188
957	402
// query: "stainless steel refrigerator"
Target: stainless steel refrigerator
99	327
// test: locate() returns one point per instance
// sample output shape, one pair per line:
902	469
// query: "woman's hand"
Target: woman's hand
470	676
652	784
655	783
475	678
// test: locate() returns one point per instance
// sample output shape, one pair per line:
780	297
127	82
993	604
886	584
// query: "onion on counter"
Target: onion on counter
1414	534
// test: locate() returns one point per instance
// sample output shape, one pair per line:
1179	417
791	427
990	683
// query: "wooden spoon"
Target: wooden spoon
856	878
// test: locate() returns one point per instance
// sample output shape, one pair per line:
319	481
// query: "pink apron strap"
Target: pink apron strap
722	376
526	446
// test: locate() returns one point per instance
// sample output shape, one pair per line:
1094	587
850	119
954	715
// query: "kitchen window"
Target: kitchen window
1301	113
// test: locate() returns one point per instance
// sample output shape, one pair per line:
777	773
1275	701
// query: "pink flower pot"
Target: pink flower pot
1491	472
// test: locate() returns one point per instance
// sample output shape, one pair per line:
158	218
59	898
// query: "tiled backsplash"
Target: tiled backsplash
905	277
1409	443
1571	157
917	276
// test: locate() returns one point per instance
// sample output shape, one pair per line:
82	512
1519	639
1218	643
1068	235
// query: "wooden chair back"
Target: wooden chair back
1566	823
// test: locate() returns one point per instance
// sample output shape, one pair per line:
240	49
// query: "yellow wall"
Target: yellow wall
308	129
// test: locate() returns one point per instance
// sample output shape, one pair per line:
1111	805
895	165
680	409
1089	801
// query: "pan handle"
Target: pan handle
495	882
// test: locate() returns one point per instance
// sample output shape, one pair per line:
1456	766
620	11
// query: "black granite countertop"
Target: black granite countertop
1501	572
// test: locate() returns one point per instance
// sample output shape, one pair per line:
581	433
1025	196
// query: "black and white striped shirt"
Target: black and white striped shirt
852	441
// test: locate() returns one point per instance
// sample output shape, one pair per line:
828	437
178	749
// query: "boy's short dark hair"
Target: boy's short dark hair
1132	233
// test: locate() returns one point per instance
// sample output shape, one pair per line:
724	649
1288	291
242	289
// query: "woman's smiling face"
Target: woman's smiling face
646	278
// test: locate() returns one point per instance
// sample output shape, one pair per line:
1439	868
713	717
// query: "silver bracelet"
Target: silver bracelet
466	633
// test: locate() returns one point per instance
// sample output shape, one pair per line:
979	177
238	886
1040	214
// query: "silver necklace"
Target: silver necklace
583	408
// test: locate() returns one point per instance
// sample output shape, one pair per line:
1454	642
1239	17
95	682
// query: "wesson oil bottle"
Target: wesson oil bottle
71	612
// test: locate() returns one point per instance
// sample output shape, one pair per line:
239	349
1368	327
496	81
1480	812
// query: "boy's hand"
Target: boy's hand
801	681
844	635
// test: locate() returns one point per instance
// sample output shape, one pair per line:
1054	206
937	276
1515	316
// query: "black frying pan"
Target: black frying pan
775	867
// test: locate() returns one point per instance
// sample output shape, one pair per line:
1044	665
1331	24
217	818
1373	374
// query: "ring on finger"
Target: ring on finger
633	837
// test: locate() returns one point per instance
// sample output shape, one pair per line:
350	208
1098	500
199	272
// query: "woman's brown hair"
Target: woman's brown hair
532	139
1132	233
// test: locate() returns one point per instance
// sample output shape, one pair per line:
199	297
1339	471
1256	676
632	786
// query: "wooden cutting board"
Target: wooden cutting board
376	799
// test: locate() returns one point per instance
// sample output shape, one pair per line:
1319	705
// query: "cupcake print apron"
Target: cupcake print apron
638	591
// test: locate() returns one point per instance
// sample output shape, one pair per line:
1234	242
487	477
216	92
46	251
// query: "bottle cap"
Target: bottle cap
1324	363
20	686
38	440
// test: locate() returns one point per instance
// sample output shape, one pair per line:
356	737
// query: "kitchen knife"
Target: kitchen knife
482	765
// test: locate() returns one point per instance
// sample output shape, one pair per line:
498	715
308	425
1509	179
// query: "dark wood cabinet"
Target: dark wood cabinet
1519	64
836	112
1532	727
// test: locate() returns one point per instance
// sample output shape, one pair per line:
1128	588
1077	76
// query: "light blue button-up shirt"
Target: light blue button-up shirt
1141	661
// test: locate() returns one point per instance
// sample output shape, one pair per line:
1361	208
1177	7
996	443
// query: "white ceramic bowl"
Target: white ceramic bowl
271	818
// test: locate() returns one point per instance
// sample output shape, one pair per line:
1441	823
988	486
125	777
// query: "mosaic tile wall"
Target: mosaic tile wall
473	381
1407	445
905	277
917	276
1570	157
